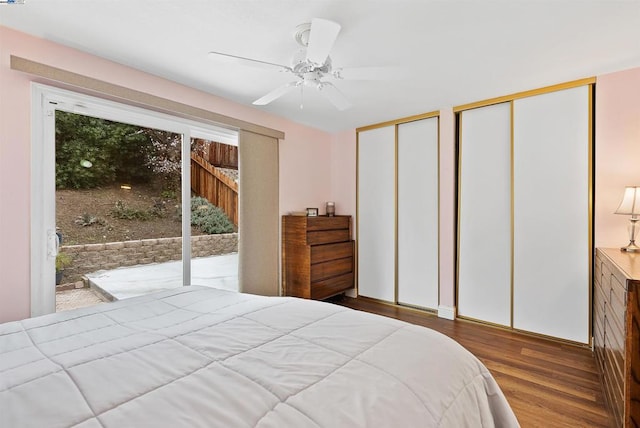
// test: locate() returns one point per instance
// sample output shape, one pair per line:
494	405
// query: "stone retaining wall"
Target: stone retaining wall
93	257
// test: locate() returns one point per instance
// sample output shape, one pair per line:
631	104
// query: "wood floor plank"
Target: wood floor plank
547	383
549	404
568	359
551	384
584	383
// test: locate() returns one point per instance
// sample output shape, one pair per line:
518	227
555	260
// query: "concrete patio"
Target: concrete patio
122	283
75	298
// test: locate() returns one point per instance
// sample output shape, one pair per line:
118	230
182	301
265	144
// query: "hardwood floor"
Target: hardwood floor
547	383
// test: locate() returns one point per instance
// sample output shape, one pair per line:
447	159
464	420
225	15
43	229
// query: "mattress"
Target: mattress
203	357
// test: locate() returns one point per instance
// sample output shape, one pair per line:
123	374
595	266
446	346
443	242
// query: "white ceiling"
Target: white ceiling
454	52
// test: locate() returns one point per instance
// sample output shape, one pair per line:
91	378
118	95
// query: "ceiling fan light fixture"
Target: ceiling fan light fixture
301	34
299	59
312	83
311	64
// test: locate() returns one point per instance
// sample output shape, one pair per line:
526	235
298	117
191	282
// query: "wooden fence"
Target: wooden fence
223	155
217	188
217	154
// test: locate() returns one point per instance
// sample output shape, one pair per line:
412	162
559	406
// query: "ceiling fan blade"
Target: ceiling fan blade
370	73
336	97
321	39
276	93
251	62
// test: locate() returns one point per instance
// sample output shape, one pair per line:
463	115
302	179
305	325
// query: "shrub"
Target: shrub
124	212
164	157
87	219
209	218
62	261
168	194
91	152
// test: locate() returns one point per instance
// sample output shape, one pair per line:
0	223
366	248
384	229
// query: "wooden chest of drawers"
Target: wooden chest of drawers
616	331
317	256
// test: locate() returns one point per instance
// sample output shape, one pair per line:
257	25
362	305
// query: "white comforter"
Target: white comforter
201	357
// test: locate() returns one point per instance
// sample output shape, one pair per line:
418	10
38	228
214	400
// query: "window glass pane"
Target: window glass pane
118	208
214	214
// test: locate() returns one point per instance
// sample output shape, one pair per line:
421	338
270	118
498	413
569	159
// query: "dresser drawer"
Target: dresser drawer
320	271
323	253
328	236
331	286
597	270
618	295
614	342
599	310
616	312
598	327
328	223
600	297
606	276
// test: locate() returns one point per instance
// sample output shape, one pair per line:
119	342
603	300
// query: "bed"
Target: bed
204	357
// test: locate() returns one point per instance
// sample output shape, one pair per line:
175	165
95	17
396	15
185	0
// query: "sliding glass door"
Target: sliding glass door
134	167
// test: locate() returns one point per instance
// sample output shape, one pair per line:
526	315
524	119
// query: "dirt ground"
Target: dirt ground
88	216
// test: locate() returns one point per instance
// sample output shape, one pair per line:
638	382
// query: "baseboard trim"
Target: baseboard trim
351	293
447	312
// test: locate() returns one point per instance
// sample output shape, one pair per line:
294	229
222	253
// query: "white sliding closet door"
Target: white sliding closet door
418	213
484	258
376	213
551	214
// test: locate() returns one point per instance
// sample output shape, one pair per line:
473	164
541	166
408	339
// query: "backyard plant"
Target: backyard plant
209	218
91	152
63	260
87	219
123	212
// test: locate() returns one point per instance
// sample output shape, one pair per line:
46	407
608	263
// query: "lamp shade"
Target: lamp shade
630	204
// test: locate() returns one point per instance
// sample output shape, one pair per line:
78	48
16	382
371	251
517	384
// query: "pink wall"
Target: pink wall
343	172
447	207
305	154
305	163
617	152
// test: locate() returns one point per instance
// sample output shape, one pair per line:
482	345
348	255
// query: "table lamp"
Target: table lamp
630	205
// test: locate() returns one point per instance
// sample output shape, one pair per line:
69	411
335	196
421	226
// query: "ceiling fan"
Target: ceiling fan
312	64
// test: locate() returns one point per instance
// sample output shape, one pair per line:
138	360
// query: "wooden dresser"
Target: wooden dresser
317	256
616	315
